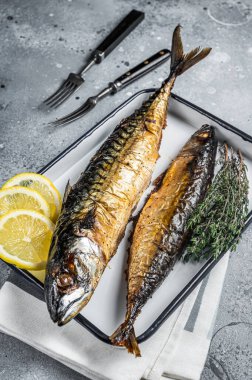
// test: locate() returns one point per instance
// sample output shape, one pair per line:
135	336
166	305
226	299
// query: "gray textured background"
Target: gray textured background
41	41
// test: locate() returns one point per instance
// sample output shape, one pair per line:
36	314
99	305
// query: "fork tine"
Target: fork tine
77	114
56	93
69	119
64	95
53	102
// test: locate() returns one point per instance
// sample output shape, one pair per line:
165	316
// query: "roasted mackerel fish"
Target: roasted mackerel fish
97	208
160	232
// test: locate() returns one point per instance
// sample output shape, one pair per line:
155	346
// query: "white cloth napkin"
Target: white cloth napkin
177	351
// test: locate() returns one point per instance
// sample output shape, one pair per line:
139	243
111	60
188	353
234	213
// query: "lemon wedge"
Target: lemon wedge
25	238
22	197
43	186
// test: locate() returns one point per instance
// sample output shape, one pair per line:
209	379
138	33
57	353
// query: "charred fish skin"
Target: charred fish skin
160	233
175	235
97	208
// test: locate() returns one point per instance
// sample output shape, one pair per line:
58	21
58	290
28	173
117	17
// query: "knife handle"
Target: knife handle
122	30
140	70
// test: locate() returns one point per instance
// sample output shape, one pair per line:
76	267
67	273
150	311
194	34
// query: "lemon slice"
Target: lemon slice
22	197
25	237
41	184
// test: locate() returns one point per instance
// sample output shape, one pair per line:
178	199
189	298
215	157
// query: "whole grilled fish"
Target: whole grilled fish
97	208
160	233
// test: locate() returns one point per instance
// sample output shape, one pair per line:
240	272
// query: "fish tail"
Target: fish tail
180	62
125	336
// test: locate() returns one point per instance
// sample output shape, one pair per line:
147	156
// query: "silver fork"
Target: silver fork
113	87
74	81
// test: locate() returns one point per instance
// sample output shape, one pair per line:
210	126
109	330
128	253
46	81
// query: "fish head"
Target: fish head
74	266
200	140
204	134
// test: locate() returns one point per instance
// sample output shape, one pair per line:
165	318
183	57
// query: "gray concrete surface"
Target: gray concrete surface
41	41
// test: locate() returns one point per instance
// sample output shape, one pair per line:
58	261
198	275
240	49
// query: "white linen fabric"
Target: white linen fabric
178	350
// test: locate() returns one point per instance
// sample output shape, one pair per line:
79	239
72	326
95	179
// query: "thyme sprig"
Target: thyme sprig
217	222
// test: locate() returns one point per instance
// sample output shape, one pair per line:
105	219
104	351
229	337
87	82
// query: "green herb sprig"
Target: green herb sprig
218	220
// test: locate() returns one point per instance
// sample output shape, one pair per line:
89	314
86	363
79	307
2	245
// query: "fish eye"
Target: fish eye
65	280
